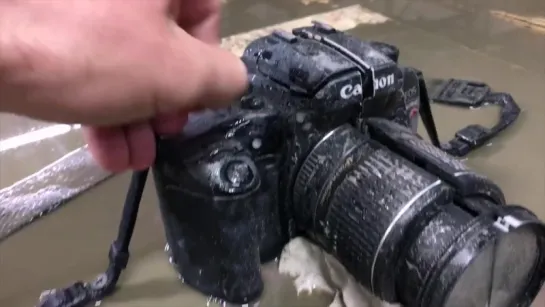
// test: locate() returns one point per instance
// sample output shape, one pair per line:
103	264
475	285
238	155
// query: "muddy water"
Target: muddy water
500	42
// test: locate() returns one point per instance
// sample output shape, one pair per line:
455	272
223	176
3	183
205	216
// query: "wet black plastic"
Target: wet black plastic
73	296
457	92
218	200
471	94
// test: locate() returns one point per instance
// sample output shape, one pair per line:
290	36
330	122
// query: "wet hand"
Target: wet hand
126	69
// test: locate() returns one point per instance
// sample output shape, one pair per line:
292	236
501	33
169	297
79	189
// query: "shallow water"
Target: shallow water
500	42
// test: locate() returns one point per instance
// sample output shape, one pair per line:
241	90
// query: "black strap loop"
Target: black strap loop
469	94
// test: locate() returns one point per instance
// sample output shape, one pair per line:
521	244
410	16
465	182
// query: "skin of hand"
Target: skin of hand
125	69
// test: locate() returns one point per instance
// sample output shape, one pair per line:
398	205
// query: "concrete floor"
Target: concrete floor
493	41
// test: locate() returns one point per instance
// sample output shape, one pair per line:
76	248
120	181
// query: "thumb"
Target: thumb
196	75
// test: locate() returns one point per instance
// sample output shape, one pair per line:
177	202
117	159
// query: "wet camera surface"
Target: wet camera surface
324	146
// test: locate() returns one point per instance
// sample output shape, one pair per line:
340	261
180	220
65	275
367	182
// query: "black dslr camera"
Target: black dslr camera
324	146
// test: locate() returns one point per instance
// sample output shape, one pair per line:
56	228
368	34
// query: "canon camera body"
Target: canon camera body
324	146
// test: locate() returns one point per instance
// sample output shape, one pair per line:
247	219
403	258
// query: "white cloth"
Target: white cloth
315	270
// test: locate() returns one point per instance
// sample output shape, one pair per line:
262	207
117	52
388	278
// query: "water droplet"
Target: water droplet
300	117
256	143
98	303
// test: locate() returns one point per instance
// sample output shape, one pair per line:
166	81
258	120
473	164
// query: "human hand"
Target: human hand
125	69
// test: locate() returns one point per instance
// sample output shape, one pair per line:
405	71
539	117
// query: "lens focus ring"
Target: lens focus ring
370	208
319	167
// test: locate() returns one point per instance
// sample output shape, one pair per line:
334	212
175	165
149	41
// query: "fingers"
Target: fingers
169	123
109	147
199	18
190	73
194	75
140	141
207	30
117	149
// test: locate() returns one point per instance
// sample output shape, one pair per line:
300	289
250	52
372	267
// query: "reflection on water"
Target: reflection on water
27	146
33	136
535	23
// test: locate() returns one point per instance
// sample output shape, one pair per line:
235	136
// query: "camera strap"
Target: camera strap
80	293
472	95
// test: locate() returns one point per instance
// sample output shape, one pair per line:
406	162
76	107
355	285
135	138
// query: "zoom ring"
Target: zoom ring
369	211
319	167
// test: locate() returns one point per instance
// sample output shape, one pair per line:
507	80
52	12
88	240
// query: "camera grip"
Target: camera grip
208	209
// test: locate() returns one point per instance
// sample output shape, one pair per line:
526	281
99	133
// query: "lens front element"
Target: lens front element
415	226
499	275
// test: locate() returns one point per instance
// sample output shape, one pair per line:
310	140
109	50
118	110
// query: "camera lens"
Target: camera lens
499	274
468	258
415	226
516	258
356	198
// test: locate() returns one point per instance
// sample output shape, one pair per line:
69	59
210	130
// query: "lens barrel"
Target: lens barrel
363	202
414	225
467	257
462	233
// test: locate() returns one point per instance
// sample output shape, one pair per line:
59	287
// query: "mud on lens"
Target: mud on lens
414	225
